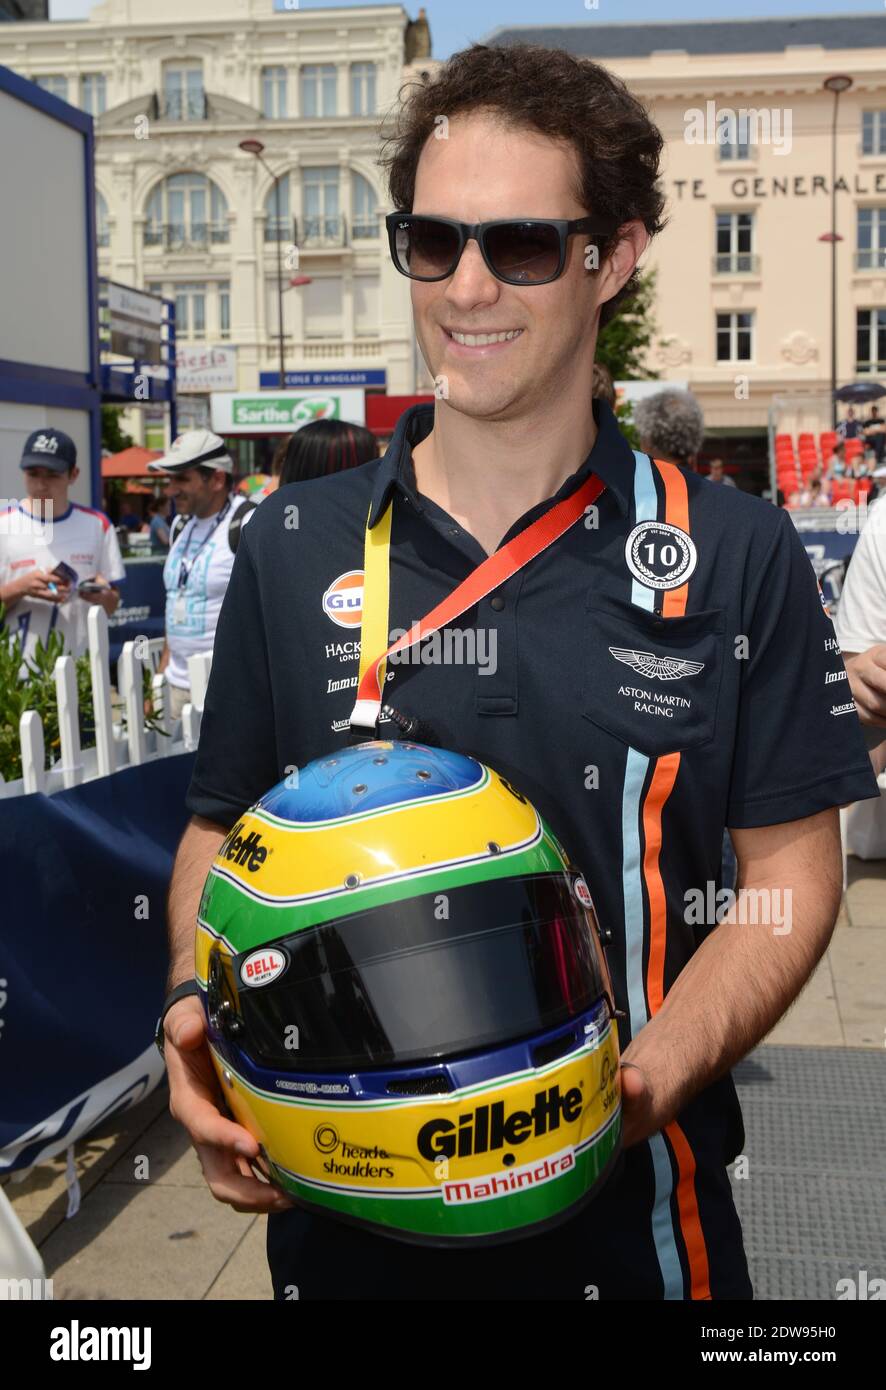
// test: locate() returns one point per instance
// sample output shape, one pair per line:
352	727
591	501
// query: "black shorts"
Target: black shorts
609	1251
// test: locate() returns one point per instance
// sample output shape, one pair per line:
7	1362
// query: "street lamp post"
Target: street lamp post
256	147
836	84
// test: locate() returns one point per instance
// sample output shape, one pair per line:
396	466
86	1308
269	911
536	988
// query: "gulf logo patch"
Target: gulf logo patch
343	600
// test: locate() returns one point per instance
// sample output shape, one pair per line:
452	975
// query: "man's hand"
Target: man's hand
107	597
36	584
224	1148
638	1117
867	681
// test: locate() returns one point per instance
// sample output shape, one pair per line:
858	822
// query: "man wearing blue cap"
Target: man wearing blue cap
56	556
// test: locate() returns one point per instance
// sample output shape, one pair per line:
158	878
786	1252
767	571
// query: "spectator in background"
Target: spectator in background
55	548
602	388
850	427
718	475
836	465
671	427
203	542
860	625
875	434
326	446
158	525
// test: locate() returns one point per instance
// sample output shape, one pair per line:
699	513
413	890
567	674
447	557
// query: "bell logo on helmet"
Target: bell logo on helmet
261	967
488	1127
245	850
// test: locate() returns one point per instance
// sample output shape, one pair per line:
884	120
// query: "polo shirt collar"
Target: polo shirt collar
611	458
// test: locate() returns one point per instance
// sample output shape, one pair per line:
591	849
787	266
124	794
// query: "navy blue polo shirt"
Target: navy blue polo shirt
665	669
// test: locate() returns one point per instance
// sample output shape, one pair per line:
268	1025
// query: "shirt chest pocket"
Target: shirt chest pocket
652	682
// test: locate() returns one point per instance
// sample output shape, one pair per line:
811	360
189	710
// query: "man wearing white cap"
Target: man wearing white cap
203	540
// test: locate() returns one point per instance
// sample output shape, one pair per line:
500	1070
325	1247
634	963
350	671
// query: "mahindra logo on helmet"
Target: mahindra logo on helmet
488	1127
244	850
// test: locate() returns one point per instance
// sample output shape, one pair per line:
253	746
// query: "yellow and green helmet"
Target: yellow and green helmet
407	999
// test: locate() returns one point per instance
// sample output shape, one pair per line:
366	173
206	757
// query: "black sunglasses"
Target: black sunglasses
529	251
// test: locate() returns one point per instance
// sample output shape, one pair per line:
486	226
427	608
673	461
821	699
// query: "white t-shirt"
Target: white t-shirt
860	621
82	538
192	610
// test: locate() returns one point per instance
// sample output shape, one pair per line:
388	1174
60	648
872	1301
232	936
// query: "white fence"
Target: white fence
117	744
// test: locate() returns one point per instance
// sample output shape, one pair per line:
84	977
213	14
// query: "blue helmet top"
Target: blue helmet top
368	777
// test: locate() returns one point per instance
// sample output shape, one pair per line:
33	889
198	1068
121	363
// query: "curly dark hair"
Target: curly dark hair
549	91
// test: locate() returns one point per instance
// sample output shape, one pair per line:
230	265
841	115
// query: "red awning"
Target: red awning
383	412
131	463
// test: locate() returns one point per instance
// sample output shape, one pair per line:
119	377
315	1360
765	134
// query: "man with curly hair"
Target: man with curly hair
661	673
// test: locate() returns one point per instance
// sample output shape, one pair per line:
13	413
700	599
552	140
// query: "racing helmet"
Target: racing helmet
407	1000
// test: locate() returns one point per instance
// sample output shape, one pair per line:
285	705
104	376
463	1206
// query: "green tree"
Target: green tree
623	343
113	437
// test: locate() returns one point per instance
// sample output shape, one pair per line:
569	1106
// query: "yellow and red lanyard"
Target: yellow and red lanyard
494	571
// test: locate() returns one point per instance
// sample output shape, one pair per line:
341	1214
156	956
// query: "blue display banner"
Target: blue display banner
142	609
83	952
345	378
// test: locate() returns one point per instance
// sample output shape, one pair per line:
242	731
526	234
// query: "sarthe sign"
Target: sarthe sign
281	412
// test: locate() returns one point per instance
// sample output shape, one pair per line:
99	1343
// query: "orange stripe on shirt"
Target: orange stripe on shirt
690	1220
660	788
676	514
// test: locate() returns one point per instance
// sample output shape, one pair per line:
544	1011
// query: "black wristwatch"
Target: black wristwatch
180	992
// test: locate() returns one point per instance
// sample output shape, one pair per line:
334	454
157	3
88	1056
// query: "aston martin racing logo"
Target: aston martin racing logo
662	668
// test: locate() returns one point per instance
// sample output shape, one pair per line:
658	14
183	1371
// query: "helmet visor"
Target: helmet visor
423	979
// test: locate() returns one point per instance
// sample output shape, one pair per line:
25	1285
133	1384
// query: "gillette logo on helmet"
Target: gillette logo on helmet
245	850
488	1127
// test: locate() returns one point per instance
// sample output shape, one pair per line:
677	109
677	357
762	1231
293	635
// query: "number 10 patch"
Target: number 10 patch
660	556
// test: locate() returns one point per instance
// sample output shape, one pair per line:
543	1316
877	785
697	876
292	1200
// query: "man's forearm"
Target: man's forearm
733	991
197	849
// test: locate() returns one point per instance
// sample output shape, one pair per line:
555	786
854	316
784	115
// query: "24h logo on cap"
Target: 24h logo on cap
660	556
343	600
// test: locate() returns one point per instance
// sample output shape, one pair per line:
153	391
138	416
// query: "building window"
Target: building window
54	83
362	89
322	223
366	312
364	204
186	212
190	311
873	132
273	87
224	309
278	228
318	90
870	339
735	236
102	230
735	337
183	96
323	308
733	139
93	93
870	239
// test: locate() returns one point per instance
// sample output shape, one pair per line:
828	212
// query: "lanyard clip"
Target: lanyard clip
363	722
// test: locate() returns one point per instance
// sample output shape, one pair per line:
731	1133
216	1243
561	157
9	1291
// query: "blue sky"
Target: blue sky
455	23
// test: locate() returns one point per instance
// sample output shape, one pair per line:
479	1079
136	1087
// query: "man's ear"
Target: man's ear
621	262
73	473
